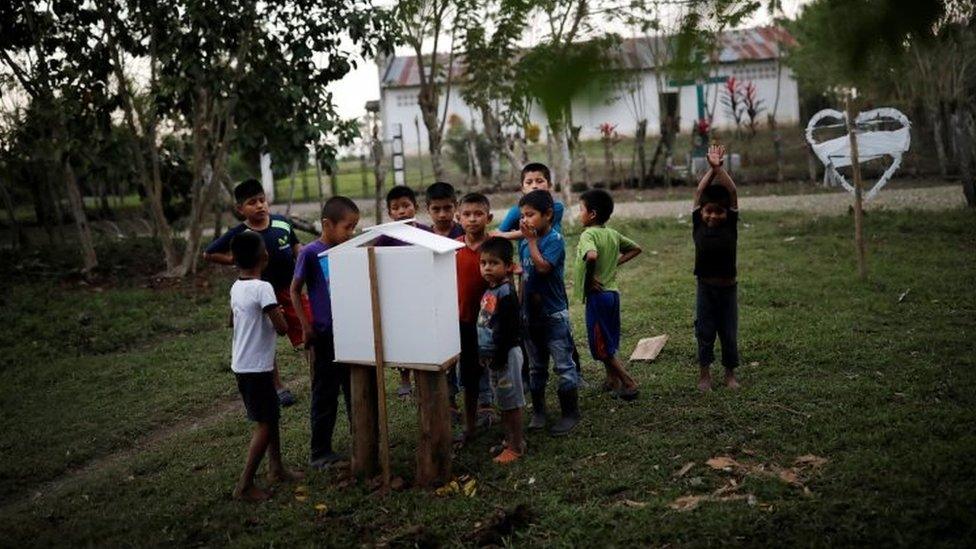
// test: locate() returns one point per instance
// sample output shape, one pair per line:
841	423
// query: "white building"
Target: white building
749	55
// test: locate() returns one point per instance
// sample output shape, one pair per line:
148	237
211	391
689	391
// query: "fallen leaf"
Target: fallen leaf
531	480
321	507
685	503
470	488
722	463
687	467
788	476
634	504
789	239
300	498
811	460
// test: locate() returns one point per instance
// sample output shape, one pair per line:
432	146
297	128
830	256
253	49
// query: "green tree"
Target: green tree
236	74
48	49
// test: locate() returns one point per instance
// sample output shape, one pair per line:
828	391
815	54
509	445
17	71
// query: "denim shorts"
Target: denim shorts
507	382
551	337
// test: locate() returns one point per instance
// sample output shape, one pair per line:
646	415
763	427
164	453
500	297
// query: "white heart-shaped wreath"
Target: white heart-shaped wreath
871	144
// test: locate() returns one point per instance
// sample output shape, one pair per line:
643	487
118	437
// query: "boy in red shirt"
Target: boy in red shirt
474	213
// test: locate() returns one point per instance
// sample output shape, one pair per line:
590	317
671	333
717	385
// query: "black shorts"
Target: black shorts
259	396
469	369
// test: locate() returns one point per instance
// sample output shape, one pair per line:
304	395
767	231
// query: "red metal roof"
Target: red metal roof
752	44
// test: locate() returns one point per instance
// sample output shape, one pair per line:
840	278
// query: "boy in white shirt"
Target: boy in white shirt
257	316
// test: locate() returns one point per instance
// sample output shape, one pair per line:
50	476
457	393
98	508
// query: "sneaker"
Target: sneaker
285	398
507	456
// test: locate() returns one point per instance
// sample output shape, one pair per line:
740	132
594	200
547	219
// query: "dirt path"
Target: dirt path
223	409
941	197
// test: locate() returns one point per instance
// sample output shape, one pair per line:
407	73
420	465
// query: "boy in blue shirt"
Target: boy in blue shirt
339	218
282	246
535	176
545	312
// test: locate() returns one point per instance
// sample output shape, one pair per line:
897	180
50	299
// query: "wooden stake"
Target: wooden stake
862	267
384	442
434	445
365	433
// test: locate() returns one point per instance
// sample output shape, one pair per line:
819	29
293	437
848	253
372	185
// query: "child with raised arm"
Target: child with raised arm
256	318
714	220
401	203
339	218
282	246
499	341
601	250
545	313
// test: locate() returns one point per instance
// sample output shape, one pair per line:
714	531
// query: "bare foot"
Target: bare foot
285	475
251	494
730	380
705	380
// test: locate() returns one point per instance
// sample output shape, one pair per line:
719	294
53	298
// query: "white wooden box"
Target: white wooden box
418	298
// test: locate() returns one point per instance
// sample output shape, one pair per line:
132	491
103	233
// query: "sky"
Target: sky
362	84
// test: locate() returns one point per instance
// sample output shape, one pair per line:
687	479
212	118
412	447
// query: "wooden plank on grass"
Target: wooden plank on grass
649	347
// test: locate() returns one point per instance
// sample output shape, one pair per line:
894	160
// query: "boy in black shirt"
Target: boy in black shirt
714	222
499	343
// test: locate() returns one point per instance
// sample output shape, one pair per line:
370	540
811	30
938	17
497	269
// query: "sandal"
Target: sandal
507	456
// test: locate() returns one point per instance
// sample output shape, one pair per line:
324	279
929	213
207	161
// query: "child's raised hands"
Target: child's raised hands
716	155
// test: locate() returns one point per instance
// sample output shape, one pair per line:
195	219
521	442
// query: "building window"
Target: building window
406	99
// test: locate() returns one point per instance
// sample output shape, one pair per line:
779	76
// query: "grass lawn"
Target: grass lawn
883	389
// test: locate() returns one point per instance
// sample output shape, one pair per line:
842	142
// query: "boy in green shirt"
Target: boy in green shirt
601	250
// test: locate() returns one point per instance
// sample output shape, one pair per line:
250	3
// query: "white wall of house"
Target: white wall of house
399	105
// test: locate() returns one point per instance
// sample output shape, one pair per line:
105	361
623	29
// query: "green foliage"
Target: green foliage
555	74
457	142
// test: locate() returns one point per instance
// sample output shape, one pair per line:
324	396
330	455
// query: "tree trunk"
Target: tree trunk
964	127
291	192
500	145
564	165
609	172
777	148
88	257
379	172
305	181
640	145
474	163
151	177
427	101
579	155
935	118
17	235
812	165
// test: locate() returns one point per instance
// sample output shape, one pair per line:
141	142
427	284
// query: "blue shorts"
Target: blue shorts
603	324
507	382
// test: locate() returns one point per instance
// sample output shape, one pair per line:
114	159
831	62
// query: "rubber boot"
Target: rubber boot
538	420
569	404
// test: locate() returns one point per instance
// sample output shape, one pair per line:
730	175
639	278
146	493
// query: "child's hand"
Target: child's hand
595	285
528	233
716	155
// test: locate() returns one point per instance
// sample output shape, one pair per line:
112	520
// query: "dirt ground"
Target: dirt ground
676	201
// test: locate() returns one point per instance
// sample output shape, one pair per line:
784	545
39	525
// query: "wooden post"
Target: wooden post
434	445
383	428
365	428
862	268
